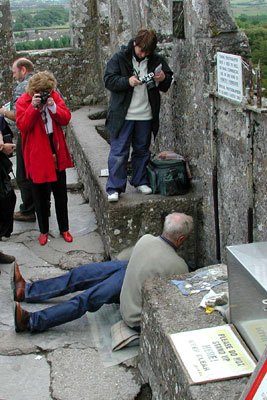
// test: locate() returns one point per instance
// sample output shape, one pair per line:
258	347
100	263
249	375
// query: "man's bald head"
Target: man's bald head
177	225
21	67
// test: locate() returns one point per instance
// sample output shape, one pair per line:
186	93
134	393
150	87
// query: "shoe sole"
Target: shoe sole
15	319
25	220
12	281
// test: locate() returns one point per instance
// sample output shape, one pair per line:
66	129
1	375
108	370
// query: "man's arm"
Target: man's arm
8	114
165	83
6	148
113	79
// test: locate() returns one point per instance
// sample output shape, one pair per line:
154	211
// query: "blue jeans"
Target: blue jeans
101	284
137	133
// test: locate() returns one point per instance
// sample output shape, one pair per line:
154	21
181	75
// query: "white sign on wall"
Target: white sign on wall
229	76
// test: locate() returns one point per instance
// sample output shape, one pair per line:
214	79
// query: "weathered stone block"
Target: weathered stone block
166	311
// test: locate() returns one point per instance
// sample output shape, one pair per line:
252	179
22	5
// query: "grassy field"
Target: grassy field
249	7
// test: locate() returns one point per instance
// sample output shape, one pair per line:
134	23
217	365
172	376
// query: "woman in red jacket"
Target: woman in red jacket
40	113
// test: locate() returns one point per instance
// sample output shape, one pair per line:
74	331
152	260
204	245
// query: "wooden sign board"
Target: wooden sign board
212	354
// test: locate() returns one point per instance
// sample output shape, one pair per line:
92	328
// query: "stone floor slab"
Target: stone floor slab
25	377
71	367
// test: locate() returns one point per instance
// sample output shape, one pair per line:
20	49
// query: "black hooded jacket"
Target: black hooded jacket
118	71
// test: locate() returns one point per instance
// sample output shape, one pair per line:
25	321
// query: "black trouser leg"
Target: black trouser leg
24	184
40	193
59	190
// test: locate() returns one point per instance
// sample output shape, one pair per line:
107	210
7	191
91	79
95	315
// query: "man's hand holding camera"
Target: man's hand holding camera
134	81
151	79
159	77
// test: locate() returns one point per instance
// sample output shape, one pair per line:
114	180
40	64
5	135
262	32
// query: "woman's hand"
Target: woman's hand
36	100
8	148
50	102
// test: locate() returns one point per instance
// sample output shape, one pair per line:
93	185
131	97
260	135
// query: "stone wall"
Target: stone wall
194	121
242	171
7	51
76	69
215	134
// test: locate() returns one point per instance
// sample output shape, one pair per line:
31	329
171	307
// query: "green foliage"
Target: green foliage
255	27
55	15
44	44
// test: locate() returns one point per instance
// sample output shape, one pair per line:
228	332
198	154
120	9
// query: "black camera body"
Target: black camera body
148	80
44	96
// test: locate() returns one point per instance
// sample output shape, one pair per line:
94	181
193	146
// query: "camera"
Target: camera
148	80
7	138
44	96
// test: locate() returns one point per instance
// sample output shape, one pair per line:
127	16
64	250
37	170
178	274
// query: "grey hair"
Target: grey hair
177	224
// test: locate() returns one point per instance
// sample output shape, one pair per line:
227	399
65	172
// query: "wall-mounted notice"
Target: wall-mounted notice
212	354
229	76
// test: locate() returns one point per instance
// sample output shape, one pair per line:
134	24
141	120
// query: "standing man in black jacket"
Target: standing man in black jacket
134	107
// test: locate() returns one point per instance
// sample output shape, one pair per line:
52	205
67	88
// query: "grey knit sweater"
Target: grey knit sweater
151	257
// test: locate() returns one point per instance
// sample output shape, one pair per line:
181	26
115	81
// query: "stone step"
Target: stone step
122	223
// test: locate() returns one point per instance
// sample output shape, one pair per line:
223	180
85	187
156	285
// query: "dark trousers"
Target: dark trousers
24	184
137	134
7	206
41	194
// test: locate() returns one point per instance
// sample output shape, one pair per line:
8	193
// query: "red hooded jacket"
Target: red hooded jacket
37	153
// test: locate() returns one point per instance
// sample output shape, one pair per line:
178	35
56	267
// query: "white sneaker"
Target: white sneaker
144	189
113	197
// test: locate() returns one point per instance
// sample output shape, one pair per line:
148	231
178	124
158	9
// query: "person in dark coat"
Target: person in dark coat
7	194
133	113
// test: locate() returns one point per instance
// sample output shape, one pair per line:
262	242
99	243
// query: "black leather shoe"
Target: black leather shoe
17	283
21	318
6	259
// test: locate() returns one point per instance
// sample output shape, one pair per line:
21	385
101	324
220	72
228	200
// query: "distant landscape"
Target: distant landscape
249	7
41	24
251	17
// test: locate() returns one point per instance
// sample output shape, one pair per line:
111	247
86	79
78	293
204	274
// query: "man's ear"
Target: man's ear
23	70
180	241
134	43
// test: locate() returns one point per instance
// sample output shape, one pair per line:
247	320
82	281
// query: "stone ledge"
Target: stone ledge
122	223
167	311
